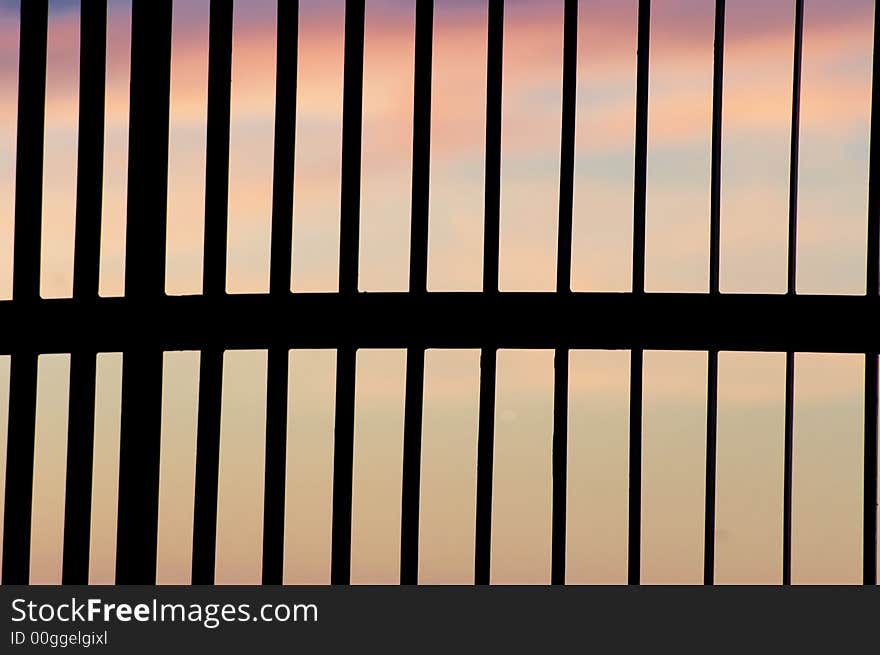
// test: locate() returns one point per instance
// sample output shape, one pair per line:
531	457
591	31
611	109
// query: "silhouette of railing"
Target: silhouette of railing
146	322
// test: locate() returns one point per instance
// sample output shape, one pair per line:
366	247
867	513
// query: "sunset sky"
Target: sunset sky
831	252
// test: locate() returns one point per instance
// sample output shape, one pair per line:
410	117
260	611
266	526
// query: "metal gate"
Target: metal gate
145	322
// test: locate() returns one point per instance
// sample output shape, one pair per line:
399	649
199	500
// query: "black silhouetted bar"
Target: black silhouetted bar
563	285
795	146
343	464
343	457
714	288
89	188
412	466
19	468
25	289
634	544
560	465
641	147
638	288
486	420
788	455
217	148
214	285
352	123
207	466
485	466
144	282
29	150
869	556
418	285
275	465
711	466
287	42
421	162
528	320
279	285
90	159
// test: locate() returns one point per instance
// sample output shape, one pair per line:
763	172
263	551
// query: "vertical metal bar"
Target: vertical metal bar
634	546
148	149
711	461
25	288
287	41
29	151
567	147
144	284
90	161
214	285
795	146
873	273
869	557
421	163
494	70
343	463
343	457
486	429
19	468
788	456
560	465
412	464
717	130
217	147
352	115
275	466
279	286
638	287
207	466
714	288
418	276
81	413
792	286
80	456
139	467
485	466
641	147
563	286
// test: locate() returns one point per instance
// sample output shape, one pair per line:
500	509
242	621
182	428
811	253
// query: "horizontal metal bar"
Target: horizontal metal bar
447	320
